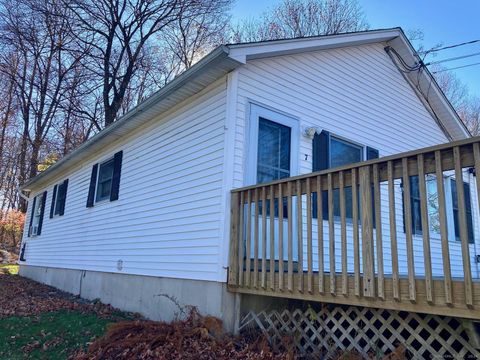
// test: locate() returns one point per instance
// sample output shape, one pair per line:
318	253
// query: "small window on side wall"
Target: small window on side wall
36	215
105	180
59	197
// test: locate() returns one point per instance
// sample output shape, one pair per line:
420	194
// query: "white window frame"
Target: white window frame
256	112
98	178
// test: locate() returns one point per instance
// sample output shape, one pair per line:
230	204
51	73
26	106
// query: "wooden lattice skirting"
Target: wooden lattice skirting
368	331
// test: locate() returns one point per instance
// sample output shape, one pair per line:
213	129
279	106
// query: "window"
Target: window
59	198
105	180
104	183
330	151
450	186
273	159
36	217
343	153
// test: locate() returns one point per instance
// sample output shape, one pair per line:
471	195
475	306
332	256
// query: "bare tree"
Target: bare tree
301	18
41	56
193	34
117	31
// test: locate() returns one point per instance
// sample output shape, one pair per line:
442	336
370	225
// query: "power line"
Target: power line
451	46
454	68
452	59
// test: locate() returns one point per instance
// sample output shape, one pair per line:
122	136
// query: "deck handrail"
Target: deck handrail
264	239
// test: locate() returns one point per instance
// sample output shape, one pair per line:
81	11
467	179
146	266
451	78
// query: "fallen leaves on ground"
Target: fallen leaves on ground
24	297
196	337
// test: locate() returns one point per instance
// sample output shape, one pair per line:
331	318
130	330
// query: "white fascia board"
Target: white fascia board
249	51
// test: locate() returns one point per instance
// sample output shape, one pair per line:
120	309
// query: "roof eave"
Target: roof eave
206	71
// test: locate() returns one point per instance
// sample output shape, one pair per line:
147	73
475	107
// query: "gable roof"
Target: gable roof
226	58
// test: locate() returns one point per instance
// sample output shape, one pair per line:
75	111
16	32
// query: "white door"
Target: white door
272	155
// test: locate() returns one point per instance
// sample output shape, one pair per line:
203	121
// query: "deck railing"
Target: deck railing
280	246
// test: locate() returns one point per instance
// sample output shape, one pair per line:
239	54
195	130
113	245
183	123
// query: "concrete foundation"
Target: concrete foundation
153	297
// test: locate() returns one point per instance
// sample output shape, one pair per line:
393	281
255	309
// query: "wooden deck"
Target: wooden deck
303	242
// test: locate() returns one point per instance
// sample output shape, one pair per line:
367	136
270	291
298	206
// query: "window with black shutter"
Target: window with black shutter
433	207
59	197
105	180
328	152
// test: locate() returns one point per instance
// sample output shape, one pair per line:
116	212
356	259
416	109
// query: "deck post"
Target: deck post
367	231
234	240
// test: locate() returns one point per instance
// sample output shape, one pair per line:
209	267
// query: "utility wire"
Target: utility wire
454	68
452	59
450	46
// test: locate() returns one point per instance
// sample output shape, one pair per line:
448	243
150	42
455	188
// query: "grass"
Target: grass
12	269
49	335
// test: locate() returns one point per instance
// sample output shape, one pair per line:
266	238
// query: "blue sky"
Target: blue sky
442	21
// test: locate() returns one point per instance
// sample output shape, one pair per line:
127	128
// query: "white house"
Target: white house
140	215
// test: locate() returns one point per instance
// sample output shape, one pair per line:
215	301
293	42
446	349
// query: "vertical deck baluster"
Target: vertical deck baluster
299	236
290	236
321	265
378	231
462	222
264	238
367	231
442	215
248	245
343	232
408	230
393	231
331	234
255	241
280	237
241	250
309	237
272	238
356	238
425	226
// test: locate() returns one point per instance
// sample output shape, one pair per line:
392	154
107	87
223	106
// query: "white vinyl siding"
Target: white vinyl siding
356	93
167	219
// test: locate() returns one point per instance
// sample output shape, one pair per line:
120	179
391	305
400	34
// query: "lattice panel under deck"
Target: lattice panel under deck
367	330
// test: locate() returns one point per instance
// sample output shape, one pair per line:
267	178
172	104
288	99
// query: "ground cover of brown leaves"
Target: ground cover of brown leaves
23	297
196	337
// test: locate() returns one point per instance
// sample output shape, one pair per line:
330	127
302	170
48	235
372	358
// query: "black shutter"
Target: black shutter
22	253
54	196
372	154
91	189
414	205
64	197
32	213
468	210
42	212
320	161
117	170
